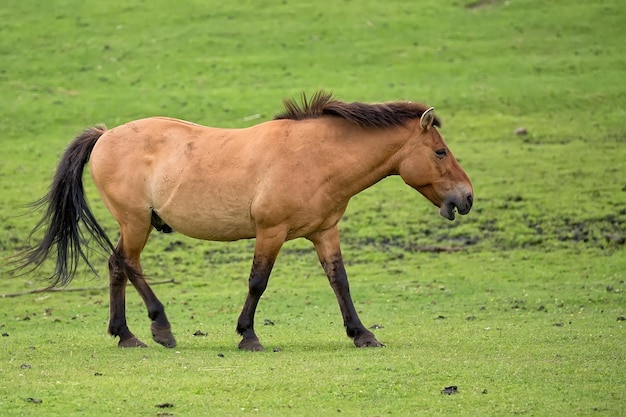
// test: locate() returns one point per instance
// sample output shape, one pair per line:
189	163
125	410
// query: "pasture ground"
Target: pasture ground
520	304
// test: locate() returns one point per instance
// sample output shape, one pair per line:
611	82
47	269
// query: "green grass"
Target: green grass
513	345
525	315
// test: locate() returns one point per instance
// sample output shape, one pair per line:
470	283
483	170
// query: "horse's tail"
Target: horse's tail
65	207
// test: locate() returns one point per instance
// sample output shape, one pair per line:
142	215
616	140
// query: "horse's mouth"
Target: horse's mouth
447	210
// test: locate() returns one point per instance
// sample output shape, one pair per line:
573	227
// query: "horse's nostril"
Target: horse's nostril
470	200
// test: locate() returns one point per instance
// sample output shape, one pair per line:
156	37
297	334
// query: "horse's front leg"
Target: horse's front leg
329	253
266	249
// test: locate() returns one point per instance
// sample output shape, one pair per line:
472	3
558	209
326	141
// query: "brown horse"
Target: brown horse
283	179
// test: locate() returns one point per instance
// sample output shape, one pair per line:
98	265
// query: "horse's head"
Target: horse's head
428	166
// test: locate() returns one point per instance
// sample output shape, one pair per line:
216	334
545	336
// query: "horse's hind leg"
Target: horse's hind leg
132	241
161	328
117	306
329	253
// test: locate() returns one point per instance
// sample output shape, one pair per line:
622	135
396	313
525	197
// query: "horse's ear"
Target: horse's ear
427	119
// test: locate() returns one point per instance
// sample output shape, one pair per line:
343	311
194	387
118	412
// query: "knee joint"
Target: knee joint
257	286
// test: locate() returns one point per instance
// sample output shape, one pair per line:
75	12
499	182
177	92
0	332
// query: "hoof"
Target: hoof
367	340
132	342
252	345
163	336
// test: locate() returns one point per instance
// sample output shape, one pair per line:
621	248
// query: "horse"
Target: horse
286	178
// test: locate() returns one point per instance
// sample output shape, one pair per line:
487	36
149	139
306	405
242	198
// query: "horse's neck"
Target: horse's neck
368	155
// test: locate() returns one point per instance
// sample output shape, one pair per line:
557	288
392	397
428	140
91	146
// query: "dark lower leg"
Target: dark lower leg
160	327
336	273
257	283
329	253
117	307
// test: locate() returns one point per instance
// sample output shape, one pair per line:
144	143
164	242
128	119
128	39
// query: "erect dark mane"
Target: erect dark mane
322	103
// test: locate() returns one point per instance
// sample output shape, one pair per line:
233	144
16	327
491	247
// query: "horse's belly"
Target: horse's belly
203	216
212	228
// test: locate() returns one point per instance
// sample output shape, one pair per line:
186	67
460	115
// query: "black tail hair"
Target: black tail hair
65	208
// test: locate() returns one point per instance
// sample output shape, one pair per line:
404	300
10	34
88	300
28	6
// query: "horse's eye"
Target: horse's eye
441	152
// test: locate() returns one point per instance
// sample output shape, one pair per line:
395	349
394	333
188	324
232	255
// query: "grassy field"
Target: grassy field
520	304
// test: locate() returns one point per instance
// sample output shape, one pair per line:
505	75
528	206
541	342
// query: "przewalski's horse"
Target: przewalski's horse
279	180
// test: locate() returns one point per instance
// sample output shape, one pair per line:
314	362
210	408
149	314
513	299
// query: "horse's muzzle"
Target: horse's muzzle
461	204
